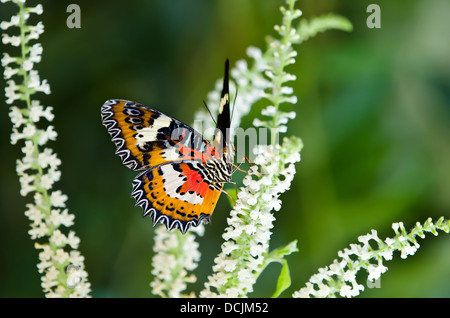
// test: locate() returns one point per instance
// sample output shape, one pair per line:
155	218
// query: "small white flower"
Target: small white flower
27	65
77	259
61	256
46	181
351	291
408	250
58	199
10	72
16	117
259	123
37	111
13	40
38	231
254	52
47	113
6	59
228	247
34	213
58	238
46	253
50	279
229	265
231	232
349	275
48	159
48	134
256	249
37	9
26	184
375	271
246	277
43	265
11	92
232	292
35	31
67	218
269	111
13	22
324	290
35	53
22	167
29	131
396	226
29	151
53	174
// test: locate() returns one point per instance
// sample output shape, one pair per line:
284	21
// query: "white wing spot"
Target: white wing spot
223	101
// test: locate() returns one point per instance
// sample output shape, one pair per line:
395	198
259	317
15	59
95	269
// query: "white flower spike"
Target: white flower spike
38	169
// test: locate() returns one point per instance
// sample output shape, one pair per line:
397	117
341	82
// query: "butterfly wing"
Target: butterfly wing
147	138
183	174
179	195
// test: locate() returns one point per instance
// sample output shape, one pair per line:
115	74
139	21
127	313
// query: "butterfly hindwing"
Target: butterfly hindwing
179	195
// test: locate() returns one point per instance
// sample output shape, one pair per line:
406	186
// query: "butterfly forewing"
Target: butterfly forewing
146	138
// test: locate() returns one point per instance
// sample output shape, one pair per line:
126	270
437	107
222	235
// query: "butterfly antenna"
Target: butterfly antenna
234	102
207	108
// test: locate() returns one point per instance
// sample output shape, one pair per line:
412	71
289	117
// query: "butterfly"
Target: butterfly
181	173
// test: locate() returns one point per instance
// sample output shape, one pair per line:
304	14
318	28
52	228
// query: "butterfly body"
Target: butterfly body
182	173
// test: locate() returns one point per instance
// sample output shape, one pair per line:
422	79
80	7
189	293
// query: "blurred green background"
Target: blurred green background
373	113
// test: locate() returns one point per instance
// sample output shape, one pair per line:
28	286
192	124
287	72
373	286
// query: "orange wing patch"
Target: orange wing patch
178	195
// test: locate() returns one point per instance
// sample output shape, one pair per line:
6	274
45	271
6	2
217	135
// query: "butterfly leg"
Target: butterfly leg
229	195
236	191
237	167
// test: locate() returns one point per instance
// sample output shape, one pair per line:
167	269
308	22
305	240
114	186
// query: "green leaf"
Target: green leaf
279	253
284	280
309	28
232	197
